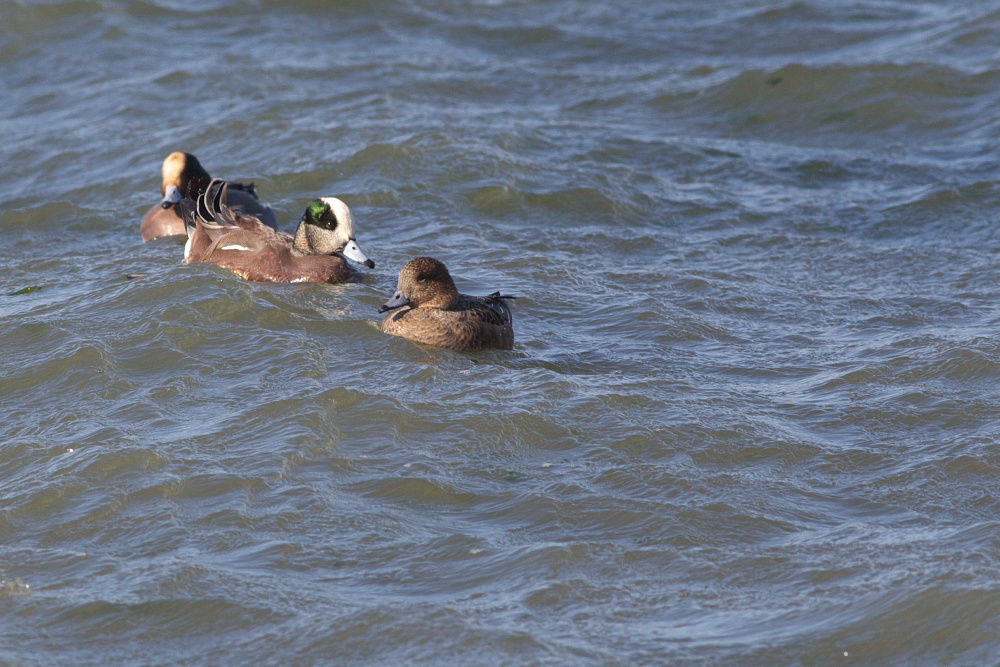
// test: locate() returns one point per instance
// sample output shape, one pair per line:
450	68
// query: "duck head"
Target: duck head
424	282
327	228
183	176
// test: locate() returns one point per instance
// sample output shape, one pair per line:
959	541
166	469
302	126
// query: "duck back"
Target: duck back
473	323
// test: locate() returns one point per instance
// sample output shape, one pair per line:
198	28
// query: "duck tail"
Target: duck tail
498	295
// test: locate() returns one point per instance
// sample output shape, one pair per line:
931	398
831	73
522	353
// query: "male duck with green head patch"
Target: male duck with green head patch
317	253
183	176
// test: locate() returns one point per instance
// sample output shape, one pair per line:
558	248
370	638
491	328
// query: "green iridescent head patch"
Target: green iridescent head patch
318	213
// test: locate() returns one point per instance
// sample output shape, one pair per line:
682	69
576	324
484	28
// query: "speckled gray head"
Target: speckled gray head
329	228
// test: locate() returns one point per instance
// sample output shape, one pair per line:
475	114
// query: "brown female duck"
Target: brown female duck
221	235
429	309
183	176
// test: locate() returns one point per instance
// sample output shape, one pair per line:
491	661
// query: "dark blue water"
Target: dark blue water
752	415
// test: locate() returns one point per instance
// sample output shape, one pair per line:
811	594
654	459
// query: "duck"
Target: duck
225	236
183	176
428	308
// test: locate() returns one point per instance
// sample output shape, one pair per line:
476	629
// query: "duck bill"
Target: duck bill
353	252
397	301
171	196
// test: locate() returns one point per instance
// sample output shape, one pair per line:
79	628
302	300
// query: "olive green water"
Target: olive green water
753	412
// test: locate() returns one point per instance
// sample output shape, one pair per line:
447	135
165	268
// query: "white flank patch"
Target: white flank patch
234	247
187	248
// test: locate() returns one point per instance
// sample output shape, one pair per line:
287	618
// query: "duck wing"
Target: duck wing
233	229
490	309
260	220
212	225
243	198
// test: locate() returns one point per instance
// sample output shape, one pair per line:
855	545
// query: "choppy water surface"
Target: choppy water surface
753	412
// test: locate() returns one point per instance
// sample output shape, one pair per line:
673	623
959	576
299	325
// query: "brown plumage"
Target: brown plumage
221	235
429	309
183	176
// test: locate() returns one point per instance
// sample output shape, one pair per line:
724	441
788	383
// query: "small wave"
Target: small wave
854	104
